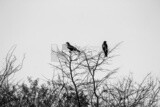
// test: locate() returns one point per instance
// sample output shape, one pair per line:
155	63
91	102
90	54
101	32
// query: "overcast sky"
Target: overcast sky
36	24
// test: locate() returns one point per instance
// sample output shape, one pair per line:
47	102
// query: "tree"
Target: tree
128	93
7	91
9	67
80	70
76	85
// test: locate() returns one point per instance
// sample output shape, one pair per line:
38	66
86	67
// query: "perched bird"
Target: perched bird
71	48
105	48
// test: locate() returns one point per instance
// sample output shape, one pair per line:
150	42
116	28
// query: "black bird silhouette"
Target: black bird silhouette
105	48
71	48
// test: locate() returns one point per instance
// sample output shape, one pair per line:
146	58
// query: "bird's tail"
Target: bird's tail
78	50
106	54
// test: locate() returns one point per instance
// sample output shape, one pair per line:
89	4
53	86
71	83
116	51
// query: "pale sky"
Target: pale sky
36	24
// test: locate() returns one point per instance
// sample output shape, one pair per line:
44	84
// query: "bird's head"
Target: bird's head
105	42
67	43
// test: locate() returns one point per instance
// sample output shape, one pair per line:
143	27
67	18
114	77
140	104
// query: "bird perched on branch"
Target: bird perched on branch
105	48
71	48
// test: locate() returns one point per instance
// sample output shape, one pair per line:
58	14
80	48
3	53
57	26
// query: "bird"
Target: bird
105	48
71	48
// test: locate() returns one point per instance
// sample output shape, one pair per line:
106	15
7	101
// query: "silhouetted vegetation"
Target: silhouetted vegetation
76	84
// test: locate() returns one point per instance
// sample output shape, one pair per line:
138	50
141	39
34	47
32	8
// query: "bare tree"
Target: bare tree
80	69
9	67
127	93
78	83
